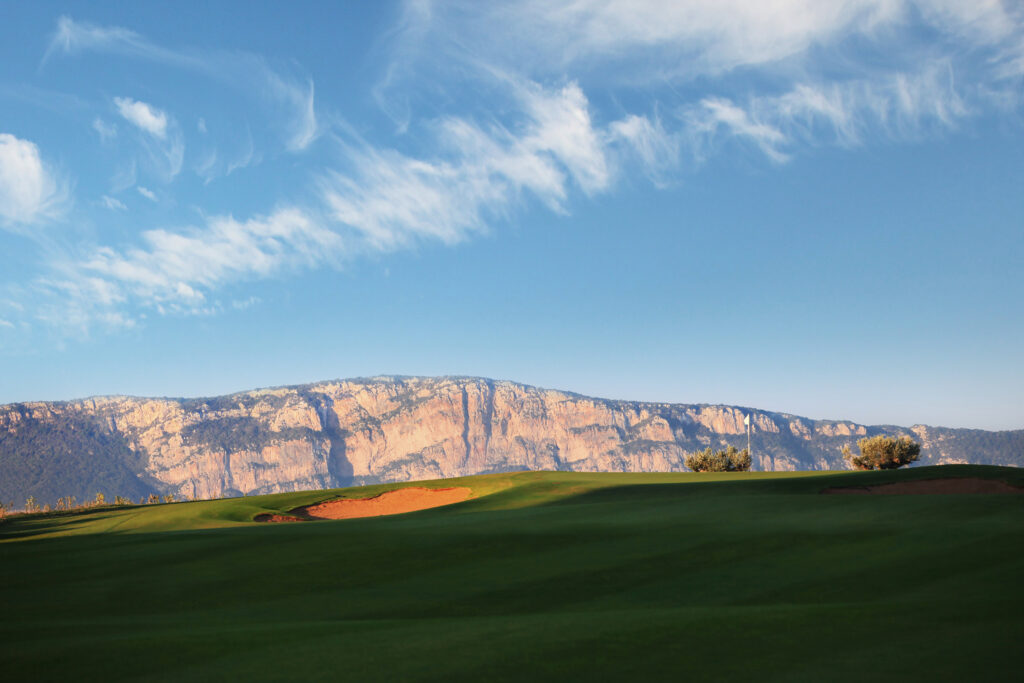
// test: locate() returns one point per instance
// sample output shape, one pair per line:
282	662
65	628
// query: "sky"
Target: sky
794	205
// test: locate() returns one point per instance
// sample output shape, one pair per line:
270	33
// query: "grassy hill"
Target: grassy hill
542	576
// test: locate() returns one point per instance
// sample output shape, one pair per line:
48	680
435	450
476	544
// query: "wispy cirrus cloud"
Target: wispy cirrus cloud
112	203
383	200
900	106
646	41
657	148
176	271
680	39
687	81
106	131
718	51
158	133
292	97
392	199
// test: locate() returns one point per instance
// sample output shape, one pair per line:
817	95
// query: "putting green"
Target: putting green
541	576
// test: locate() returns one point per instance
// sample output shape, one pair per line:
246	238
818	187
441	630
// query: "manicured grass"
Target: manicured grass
542	576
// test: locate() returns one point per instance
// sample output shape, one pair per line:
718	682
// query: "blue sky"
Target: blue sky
793	205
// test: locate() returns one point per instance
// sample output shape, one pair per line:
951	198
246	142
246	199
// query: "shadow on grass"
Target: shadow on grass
25	526
781	485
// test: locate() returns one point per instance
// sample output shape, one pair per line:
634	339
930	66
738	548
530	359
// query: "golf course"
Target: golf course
534	576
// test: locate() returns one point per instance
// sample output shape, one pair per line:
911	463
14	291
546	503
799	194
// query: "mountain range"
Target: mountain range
360	431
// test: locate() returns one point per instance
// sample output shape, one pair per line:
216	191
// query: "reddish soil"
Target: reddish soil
931	487
394	502
277	518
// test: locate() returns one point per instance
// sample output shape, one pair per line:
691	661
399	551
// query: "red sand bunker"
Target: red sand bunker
395	502
931	487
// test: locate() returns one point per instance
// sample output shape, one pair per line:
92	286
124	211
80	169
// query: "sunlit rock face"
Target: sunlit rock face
398	429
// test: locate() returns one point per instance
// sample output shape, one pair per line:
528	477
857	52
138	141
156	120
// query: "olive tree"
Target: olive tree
728	460
883	452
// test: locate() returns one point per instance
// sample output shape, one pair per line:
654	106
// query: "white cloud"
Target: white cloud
107	131
147	193
29	190
211	165
243	304
71	37
172	159
562	127
144	116
655	40
774	76
657	149
714	113
244	158
746	50
124	177
113	204
303	128
6	323
180	271
291	98
162	139
392	199
176	270
699	36
205	168
898	106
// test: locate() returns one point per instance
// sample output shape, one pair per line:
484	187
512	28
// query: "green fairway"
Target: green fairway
541	576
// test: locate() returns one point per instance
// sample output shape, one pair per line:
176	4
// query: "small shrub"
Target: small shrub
728	460
883	453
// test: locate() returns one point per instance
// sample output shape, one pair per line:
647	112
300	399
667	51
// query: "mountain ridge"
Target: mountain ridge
396	428
524	385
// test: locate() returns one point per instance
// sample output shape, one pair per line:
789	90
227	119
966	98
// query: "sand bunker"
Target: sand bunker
931	487
395	502
388	503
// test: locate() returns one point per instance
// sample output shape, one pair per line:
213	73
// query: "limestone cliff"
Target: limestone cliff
397	428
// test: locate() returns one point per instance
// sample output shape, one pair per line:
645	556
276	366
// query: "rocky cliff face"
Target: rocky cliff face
395	429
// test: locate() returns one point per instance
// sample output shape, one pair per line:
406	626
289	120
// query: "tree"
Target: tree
30	504
883	452
728	460
169	498
100	499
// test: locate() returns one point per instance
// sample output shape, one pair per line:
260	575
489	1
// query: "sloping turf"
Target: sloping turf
543	576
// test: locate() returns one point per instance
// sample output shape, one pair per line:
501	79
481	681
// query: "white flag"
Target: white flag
746	420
